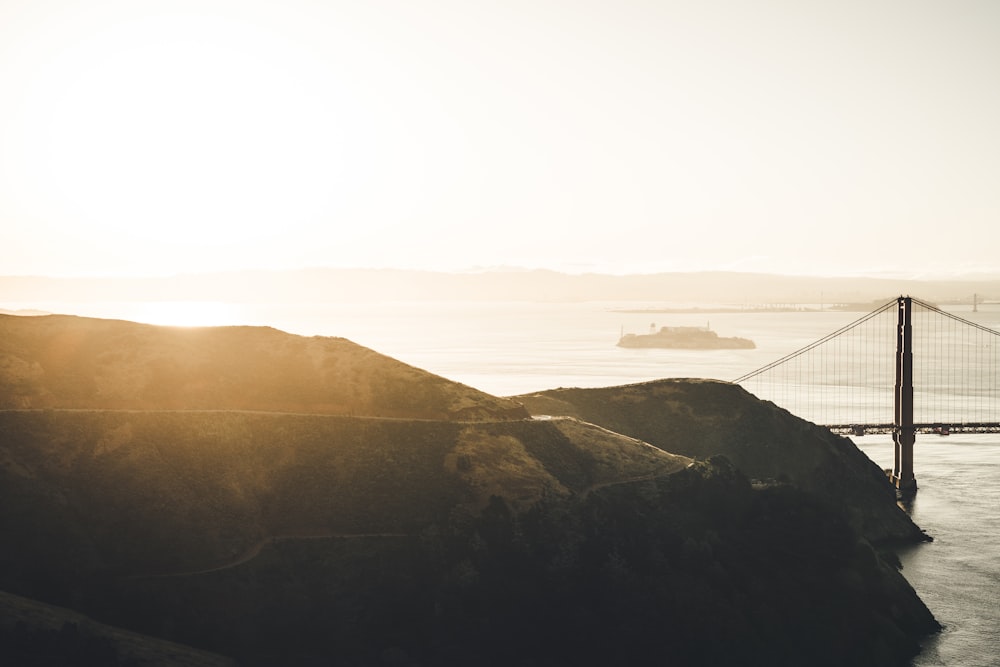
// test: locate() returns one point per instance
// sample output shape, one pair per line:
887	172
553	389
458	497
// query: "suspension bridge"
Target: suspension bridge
907	367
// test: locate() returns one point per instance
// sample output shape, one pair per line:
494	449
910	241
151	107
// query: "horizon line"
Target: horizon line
951	276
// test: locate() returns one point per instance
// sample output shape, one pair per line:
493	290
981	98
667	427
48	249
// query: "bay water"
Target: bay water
958	574
509	348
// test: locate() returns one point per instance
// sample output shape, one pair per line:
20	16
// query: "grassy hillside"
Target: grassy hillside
111	493
41	635
705	418
60	361
296	539
302	501
694	568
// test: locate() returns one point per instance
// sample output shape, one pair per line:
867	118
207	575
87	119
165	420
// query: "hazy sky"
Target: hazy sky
171	136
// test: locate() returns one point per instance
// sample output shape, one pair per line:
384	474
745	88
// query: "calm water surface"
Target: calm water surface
513	348
958	574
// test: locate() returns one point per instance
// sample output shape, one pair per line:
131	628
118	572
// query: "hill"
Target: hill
704	418
41	635
61	361
300	501
124	493
294	538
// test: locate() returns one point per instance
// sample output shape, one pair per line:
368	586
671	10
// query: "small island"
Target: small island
685	338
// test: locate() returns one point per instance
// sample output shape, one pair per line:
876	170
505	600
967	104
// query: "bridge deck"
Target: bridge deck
938	428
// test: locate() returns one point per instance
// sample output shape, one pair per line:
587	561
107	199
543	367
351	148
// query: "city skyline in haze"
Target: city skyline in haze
160	138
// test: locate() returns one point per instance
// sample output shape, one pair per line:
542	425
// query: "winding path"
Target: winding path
254	550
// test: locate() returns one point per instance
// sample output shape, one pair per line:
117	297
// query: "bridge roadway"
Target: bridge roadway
937	428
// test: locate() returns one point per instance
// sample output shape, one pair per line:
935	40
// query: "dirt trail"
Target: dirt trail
639	478
254	550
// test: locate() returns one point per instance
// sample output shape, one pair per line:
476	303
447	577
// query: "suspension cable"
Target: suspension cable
815	344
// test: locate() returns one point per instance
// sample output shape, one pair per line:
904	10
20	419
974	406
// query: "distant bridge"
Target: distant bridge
874	375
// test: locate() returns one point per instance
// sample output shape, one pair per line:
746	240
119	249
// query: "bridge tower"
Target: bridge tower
903	432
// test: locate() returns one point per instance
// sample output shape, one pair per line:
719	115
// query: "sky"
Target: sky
156	137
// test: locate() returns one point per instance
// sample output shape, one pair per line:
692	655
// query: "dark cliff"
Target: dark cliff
701	418
292	539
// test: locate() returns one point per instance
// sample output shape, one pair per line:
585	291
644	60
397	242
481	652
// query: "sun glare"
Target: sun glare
187	313
184	129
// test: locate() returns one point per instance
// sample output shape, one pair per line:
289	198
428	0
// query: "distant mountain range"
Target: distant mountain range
320	285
